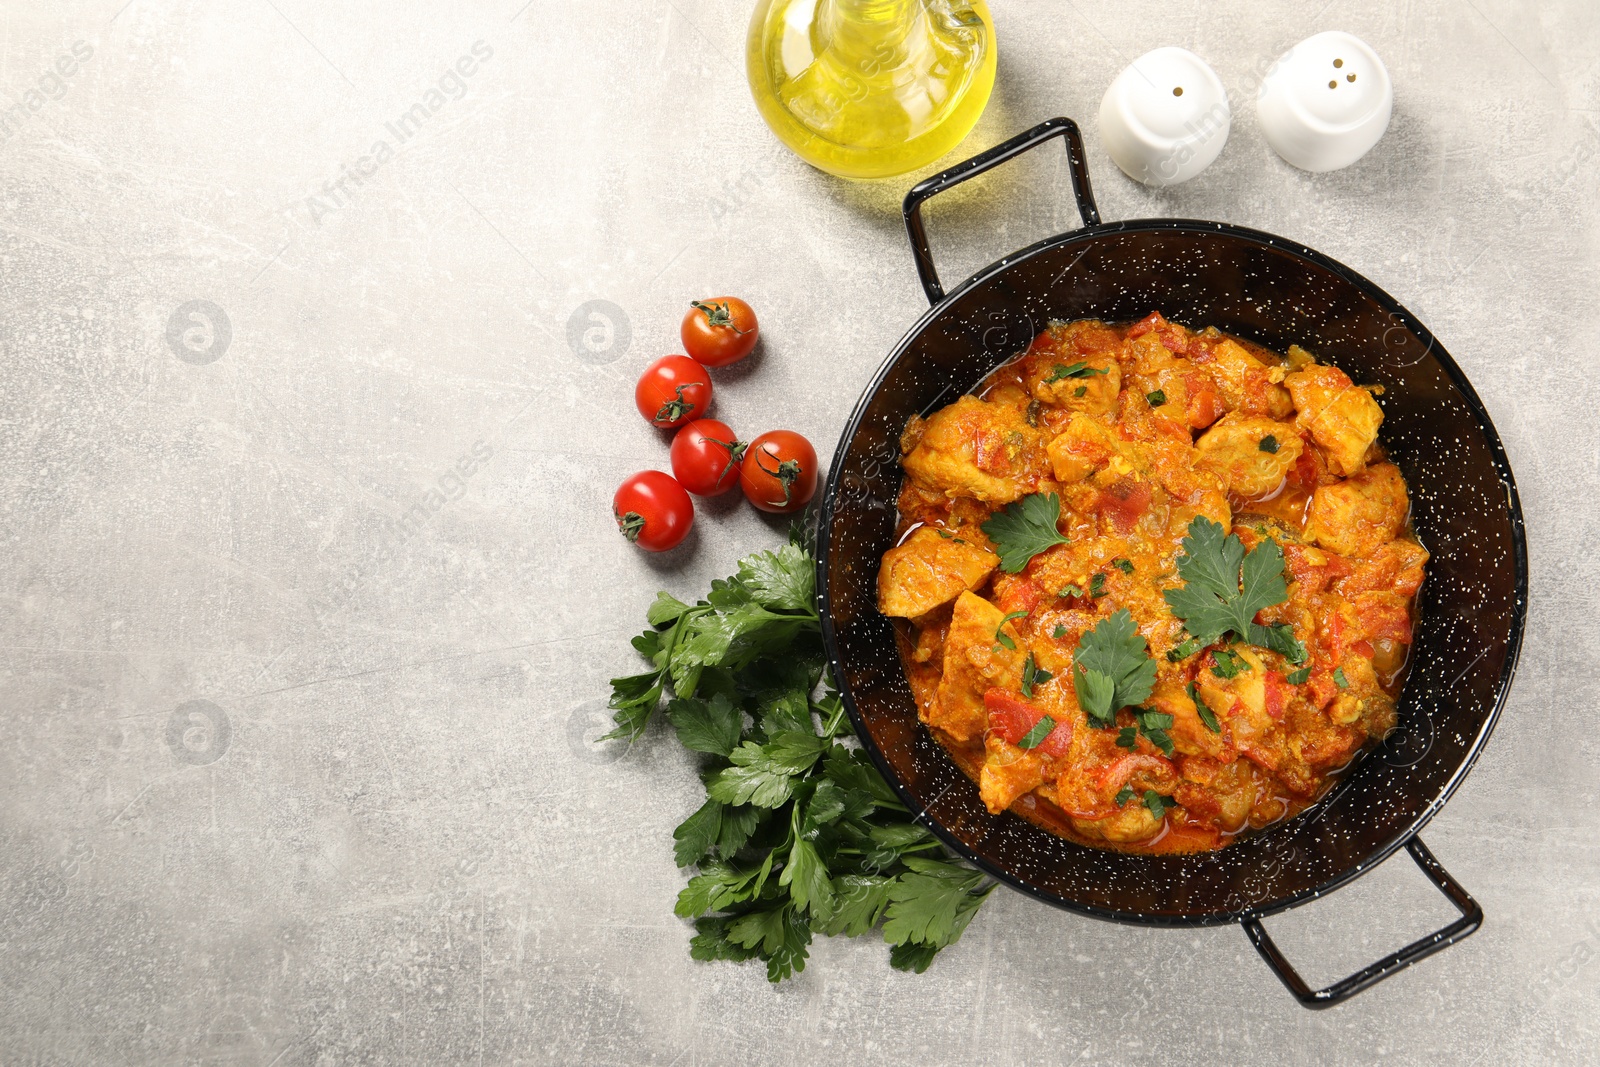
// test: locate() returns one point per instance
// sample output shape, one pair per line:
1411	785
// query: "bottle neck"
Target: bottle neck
857	22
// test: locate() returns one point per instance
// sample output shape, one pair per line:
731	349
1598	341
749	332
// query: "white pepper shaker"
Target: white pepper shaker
1325	102
1165	117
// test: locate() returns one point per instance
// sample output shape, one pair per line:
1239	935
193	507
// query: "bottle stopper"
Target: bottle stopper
1325	102
1165	117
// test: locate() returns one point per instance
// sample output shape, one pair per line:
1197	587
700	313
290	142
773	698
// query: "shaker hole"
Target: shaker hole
1349	77
1333	85
1338	63
1177	91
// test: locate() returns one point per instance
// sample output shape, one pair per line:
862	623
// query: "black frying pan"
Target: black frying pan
1464	506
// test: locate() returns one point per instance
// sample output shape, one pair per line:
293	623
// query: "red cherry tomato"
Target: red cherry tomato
653	511
672	391
779	472
719	331
705	457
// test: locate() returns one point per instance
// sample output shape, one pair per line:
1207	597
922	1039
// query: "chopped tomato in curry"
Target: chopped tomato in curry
1141	430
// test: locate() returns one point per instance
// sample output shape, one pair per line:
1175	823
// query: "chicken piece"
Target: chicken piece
1160	450
1358	515
1150	356
1233	449
1298	358
1090	385
1213	505
1223	792
1247	385
1168	453
977	449
1244	704
1075	366
1190	736
911	433
1243	694
930	568
1008	773
1176	390
1340	417
974	661
1396	566
1088	445
1132	823
1383	616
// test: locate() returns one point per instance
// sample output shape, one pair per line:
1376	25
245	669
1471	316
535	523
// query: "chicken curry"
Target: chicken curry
1154	587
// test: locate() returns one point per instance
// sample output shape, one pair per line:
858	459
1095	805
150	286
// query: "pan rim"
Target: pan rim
1457	378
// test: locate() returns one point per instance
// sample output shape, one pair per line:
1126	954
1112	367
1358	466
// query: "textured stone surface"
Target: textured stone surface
383	834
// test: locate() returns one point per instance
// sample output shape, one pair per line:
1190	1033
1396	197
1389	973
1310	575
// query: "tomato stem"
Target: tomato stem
631	525
676	408
788	473
717	315
735	454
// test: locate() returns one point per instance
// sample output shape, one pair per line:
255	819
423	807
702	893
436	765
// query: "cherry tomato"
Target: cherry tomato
719	331
779	472
672	391
653	511
705	457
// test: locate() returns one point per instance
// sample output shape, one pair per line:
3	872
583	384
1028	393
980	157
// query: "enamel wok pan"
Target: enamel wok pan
1275	292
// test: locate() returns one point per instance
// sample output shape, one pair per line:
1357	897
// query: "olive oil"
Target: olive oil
871	88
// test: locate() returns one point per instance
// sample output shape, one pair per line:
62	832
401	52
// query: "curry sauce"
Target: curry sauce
1140	431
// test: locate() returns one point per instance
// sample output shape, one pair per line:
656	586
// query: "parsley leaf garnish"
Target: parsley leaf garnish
798	833
1183	650
1024	529
1075	370
1280	638
1269	444
1124	795
1003	638
1158	804
1156	398
1072	589
1299	677
1059	632
1154	725
1339	679
1207	716
1097	585
1041	730
1032	676
1227	664
1080	390
1225	587
1123	565
1112	669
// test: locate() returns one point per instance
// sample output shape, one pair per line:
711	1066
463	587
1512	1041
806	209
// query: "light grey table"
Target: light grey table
366	526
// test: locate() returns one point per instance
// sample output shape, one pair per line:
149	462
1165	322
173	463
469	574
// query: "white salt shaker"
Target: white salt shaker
1165	117
1325	102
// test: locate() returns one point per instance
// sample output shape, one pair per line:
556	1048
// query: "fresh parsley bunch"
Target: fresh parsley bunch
799	833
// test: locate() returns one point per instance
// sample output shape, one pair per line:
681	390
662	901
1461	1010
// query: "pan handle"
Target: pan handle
1471	919
1000	153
